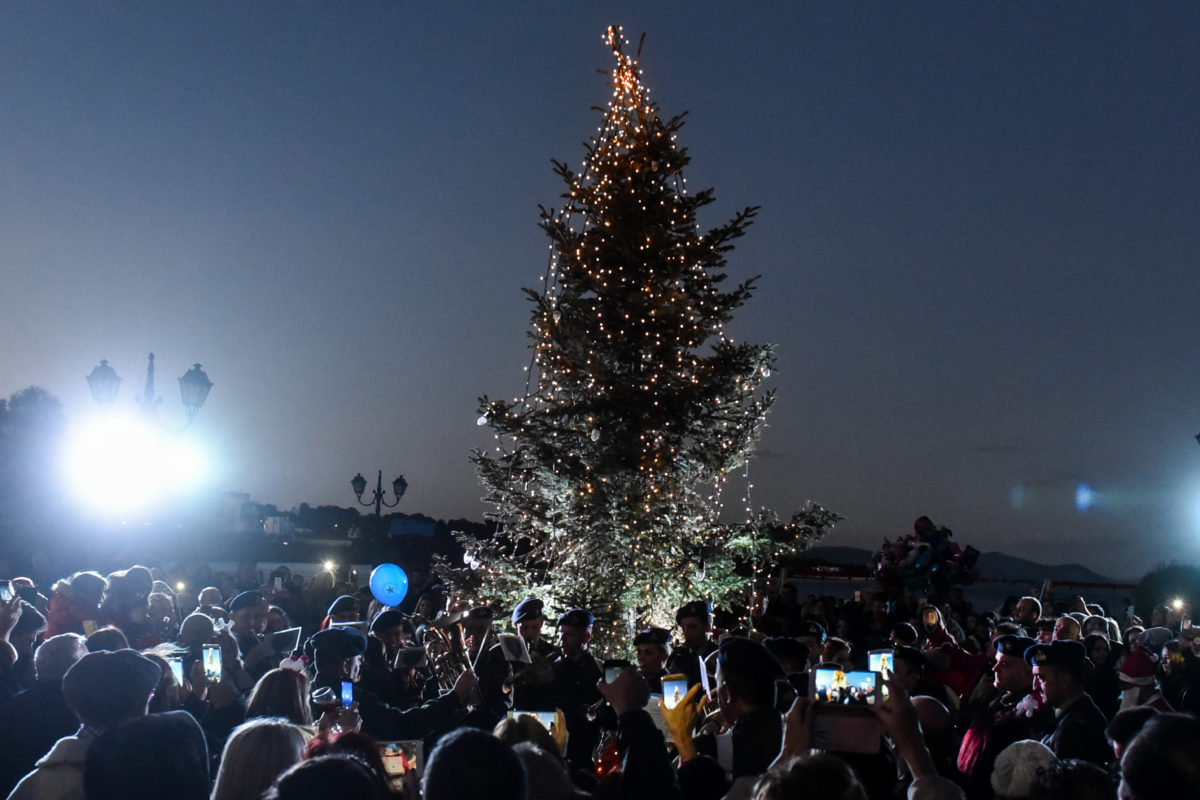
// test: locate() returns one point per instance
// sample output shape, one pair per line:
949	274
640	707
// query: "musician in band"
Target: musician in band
653	648
490	665
694	622
533	684
576	674
248	618
385	672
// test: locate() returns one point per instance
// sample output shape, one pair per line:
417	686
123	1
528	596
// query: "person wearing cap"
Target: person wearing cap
576	673
811	634
1004	720
490	666
745	693
1078	727
533	685
694	623
338	654
342	609
103	689
395	683
653	648
1139	686
248	617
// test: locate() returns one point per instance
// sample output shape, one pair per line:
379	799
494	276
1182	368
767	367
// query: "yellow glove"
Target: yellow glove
558	730
682	719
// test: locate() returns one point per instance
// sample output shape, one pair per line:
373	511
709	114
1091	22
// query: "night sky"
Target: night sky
978	241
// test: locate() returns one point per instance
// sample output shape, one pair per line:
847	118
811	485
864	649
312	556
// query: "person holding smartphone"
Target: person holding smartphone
248	614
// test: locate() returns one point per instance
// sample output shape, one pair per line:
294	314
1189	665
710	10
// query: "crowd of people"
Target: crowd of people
267	685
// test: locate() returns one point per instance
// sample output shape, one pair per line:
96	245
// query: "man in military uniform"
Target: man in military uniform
1002	721
492	668
653	648
1079	725
576	673
338	655
811	634
694	624
248	617
533	684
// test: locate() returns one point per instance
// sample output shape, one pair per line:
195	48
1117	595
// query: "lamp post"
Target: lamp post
359	485
194	387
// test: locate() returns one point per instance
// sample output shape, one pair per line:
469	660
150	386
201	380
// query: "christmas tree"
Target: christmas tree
607	475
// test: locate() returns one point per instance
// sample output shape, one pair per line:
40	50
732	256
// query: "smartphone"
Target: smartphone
278	583
211	655
6	592
614	667
89	627
544	717
347	694
176	669
674	689
880	660
931	616
836	687
401	759
858	595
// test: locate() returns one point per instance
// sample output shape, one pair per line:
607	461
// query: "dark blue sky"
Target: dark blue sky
978	241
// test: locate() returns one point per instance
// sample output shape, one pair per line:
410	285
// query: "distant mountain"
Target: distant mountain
996	566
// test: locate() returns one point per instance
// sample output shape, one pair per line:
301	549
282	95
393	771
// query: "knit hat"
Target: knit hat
1018	765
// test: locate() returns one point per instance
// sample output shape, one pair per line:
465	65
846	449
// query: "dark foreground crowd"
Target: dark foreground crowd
126	686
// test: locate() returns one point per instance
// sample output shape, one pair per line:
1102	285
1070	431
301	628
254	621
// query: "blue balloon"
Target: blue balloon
389	584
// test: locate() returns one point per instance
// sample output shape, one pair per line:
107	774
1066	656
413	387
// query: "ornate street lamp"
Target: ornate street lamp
359	484
194	387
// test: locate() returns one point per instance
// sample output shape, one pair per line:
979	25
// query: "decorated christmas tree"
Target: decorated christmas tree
607	475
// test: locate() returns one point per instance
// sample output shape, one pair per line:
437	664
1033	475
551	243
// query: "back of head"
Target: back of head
1072	780
325	778
55	657
281	693
105	688
1128	724
1018	765
749	670
149	758
526	728
547	777
255	754
702	778
107	639
496	772
822	776
1163	760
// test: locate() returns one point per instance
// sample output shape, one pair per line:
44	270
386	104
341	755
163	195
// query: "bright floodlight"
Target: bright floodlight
1085	497
329	565
1177	604
120	464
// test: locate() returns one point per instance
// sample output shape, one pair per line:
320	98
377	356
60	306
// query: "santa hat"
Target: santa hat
1138	667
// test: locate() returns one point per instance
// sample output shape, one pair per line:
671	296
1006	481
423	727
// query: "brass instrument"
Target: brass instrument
446	652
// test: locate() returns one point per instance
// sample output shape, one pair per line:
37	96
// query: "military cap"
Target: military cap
786	648
386	620
341	640
1014	645
528	610
811	628
345	604
245	600
576	617
911	656
697	609
1065	653
481	612
655	636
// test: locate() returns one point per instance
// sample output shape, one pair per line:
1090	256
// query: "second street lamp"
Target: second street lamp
359	485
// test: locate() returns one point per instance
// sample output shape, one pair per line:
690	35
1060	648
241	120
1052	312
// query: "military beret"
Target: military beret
341	640
696	609
911	656
481	612
245	600
811	628
576	617
110	682
1014	645
739	656
528	610
1065	653
787	649
386	620
655	636
345	604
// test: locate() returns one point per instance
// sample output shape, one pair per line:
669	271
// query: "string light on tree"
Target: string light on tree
606	475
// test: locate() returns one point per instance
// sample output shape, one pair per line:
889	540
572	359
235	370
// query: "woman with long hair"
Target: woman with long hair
255	754
281	693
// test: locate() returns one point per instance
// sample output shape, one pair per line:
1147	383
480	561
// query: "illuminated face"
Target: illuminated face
1012	674
1066	628
530	629
1024	614
1099	653
476	631
694	630
251	620
1053	682
572	639
650	658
